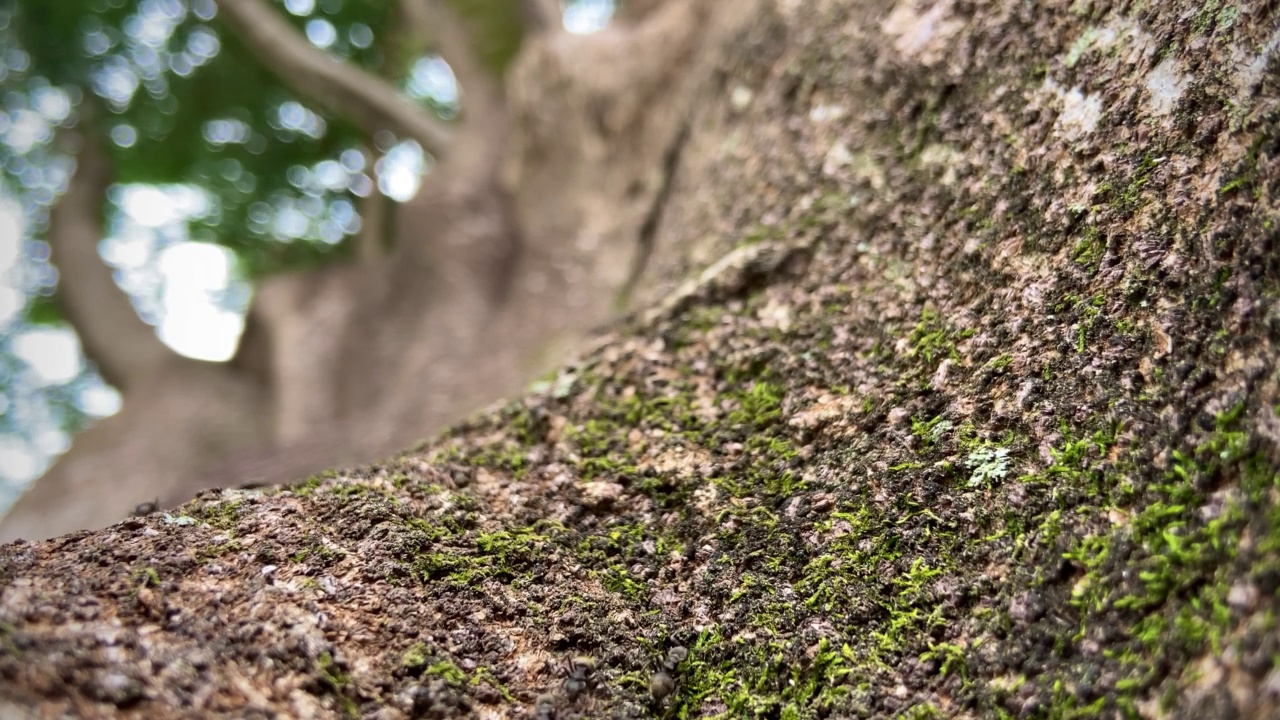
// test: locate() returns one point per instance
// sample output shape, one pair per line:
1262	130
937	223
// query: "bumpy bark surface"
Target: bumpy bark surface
977	416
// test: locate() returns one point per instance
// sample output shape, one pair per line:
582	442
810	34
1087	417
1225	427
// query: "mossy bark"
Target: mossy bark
977	416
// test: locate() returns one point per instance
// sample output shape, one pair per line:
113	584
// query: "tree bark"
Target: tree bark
125	349
957	396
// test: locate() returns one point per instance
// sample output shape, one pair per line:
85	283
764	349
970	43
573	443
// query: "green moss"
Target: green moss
1246	176
211	552
7	644
143	577
1080	47
1215	15
618	579
762	233
1128	197
951	658
418	660
923	711
1089	250
877	555
1204	20
414	659
505	456
310	485
509	556
423	532
223	515
1165	573
628	542
1086	311
930	341
931	431
146	577
319	552
347	492
446	670
759	407
761	681
336	681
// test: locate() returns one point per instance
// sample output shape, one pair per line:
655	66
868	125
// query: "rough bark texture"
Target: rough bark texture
975	416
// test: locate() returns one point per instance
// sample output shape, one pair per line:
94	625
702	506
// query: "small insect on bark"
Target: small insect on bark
545	708
579	669
661	685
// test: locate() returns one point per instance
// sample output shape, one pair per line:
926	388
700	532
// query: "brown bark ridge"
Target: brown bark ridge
976	415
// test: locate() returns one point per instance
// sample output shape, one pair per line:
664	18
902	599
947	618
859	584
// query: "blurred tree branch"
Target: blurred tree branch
543	15
433	25
341	88
376	211
634	11
125	349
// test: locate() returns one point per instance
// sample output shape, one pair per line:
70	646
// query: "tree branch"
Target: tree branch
375	218
631	12
339	87
125	349
434	25
543	15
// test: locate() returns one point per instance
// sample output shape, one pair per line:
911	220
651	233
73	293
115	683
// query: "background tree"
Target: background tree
370	324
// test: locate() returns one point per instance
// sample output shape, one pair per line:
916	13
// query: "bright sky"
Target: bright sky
193	324
12	299
52	353
587	16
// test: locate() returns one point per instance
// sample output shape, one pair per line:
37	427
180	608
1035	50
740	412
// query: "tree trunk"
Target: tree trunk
953	393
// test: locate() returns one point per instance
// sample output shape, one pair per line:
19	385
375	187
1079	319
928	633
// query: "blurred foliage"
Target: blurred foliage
180	102
186	102
495	27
